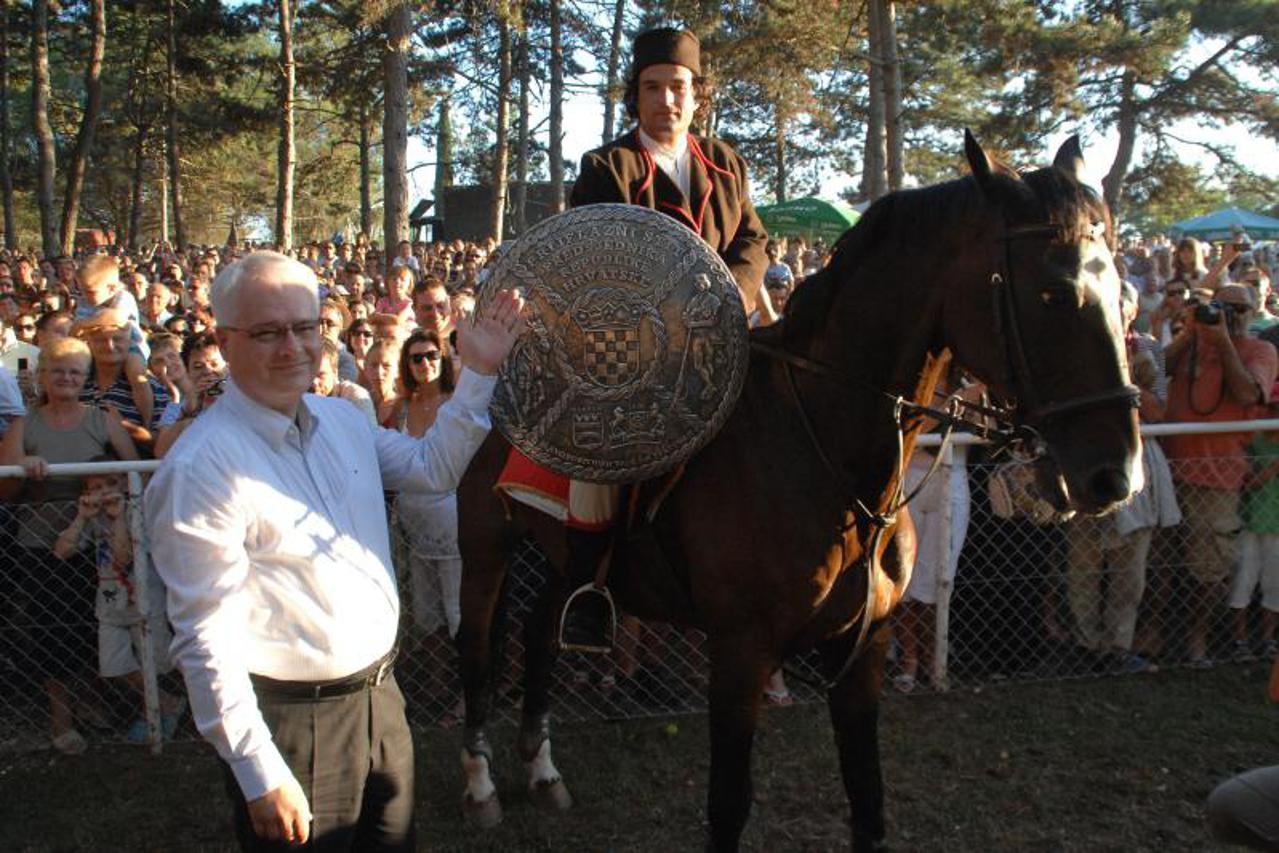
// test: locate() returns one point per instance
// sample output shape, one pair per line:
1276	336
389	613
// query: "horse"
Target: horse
1012	275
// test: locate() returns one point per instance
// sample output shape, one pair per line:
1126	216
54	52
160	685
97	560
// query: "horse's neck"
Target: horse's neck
879	337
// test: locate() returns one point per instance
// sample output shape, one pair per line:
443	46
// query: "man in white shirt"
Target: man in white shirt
267	524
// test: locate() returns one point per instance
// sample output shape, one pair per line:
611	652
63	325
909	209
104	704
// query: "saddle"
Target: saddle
635	542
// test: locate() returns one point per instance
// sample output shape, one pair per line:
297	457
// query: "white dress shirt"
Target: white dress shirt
271	537
673	161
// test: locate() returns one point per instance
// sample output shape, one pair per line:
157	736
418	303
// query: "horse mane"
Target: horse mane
897	221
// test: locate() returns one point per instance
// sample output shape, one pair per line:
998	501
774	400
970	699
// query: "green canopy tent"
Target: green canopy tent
1222	224
811	217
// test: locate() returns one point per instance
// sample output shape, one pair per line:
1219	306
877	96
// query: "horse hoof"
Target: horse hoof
552	796
485	814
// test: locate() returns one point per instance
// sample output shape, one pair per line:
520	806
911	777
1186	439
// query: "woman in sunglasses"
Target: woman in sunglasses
429	521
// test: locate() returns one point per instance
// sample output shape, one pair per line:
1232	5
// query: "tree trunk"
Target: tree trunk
1126	122
287	153
43	131
171	110
874	156
555	152
88	124
520	203
779	152
892	78
135	189
443	157
501	152
366	172
612	85
6	159
395	129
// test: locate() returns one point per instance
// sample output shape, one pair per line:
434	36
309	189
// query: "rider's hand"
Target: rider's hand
282	814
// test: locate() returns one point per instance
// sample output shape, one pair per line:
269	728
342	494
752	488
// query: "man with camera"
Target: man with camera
1218	373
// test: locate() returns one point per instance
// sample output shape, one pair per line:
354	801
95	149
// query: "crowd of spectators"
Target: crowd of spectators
113	354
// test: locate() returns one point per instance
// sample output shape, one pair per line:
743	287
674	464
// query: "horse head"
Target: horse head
1052	295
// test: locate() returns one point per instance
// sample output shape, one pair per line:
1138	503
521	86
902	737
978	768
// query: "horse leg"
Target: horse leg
738	674
854	713
546	787
481	623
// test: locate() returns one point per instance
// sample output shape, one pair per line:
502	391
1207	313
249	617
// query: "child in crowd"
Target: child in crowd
100	530
1259	543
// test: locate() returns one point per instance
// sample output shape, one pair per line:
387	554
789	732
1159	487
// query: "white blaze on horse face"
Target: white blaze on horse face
541	770
479	784
1101	282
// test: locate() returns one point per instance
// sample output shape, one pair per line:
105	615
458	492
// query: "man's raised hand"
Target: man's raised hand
487	338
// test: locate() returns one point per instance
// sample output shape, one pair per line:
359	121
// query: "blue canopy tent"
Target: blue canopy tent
1222	225
811	217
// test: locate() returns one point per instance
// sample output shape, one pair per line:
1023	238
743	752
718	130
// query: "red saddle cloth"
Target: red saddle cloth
529	483
525	481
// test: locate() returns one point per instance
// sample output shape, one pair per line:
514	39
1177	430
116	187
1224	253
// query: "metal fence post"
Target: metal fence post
941	630
141	581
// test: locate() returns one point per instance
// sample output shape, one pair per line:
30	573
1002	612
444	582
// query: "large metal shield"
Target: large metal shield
636	347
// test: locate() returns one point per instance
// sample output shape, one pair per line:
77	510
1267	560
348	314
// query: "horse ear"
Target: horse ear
1070	158
978	161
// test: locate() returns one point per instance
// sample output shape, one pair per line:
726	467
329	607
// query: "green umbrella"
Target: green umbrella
812	218
1221	225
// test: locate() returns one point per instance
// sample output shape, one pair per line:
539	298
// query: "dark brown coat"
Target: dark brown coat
720	211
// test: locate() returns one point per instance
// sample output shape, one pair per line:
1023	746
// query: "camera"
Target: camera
1209	313
216	389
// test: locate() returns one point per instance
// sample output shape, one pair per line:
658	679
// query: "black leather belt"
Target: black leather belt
371	676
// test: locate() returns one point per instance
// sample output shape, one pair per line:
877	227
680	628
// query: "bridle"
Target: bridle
1037	411
1017	422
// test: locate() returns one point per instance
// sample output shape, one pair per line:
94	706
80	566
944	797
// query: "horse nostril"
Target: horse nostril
1108	485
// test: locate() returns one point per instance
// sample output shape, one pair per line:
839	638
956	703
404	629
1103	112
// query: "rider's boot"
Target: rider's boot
588	620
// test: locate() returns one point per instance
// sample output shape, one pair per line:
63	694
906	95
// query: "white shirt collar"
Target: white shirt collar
673	161
677	152
267	422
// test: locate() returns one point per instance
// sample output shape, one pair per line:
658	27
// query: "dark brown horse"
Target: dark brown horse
781	536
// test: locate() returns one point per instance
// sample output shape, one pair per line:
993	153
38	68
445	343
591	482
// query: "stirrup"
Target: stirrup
587	589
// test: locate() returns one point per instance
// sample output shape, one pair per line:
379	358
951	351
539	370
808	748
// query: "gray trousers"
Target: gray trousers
1245	809
353	757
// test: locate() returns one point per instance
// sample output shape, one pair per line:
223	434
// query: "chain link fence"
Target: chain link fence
1030	597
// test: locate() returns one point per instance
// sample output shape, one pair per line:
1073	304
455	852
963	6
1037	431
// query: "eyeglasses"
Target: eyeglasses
303	330
359	333
429	355
1181	294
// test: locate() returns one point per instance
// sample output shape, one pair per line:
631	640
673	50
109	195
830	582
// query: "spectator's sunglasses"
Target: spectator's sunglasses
420	357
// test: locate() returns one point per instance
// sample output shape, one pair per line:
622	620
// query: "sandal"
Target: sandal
70	742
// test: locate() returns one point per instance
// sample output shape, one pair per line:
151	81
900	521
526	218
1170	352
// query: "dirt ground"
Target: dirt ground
1107	764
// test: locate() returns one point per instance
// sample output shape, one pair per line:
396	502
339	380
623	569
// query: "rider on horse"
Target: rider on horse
699	182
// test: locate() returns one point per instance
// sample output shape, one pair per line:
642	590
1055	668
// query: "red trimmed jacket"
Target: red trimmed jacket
720	209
